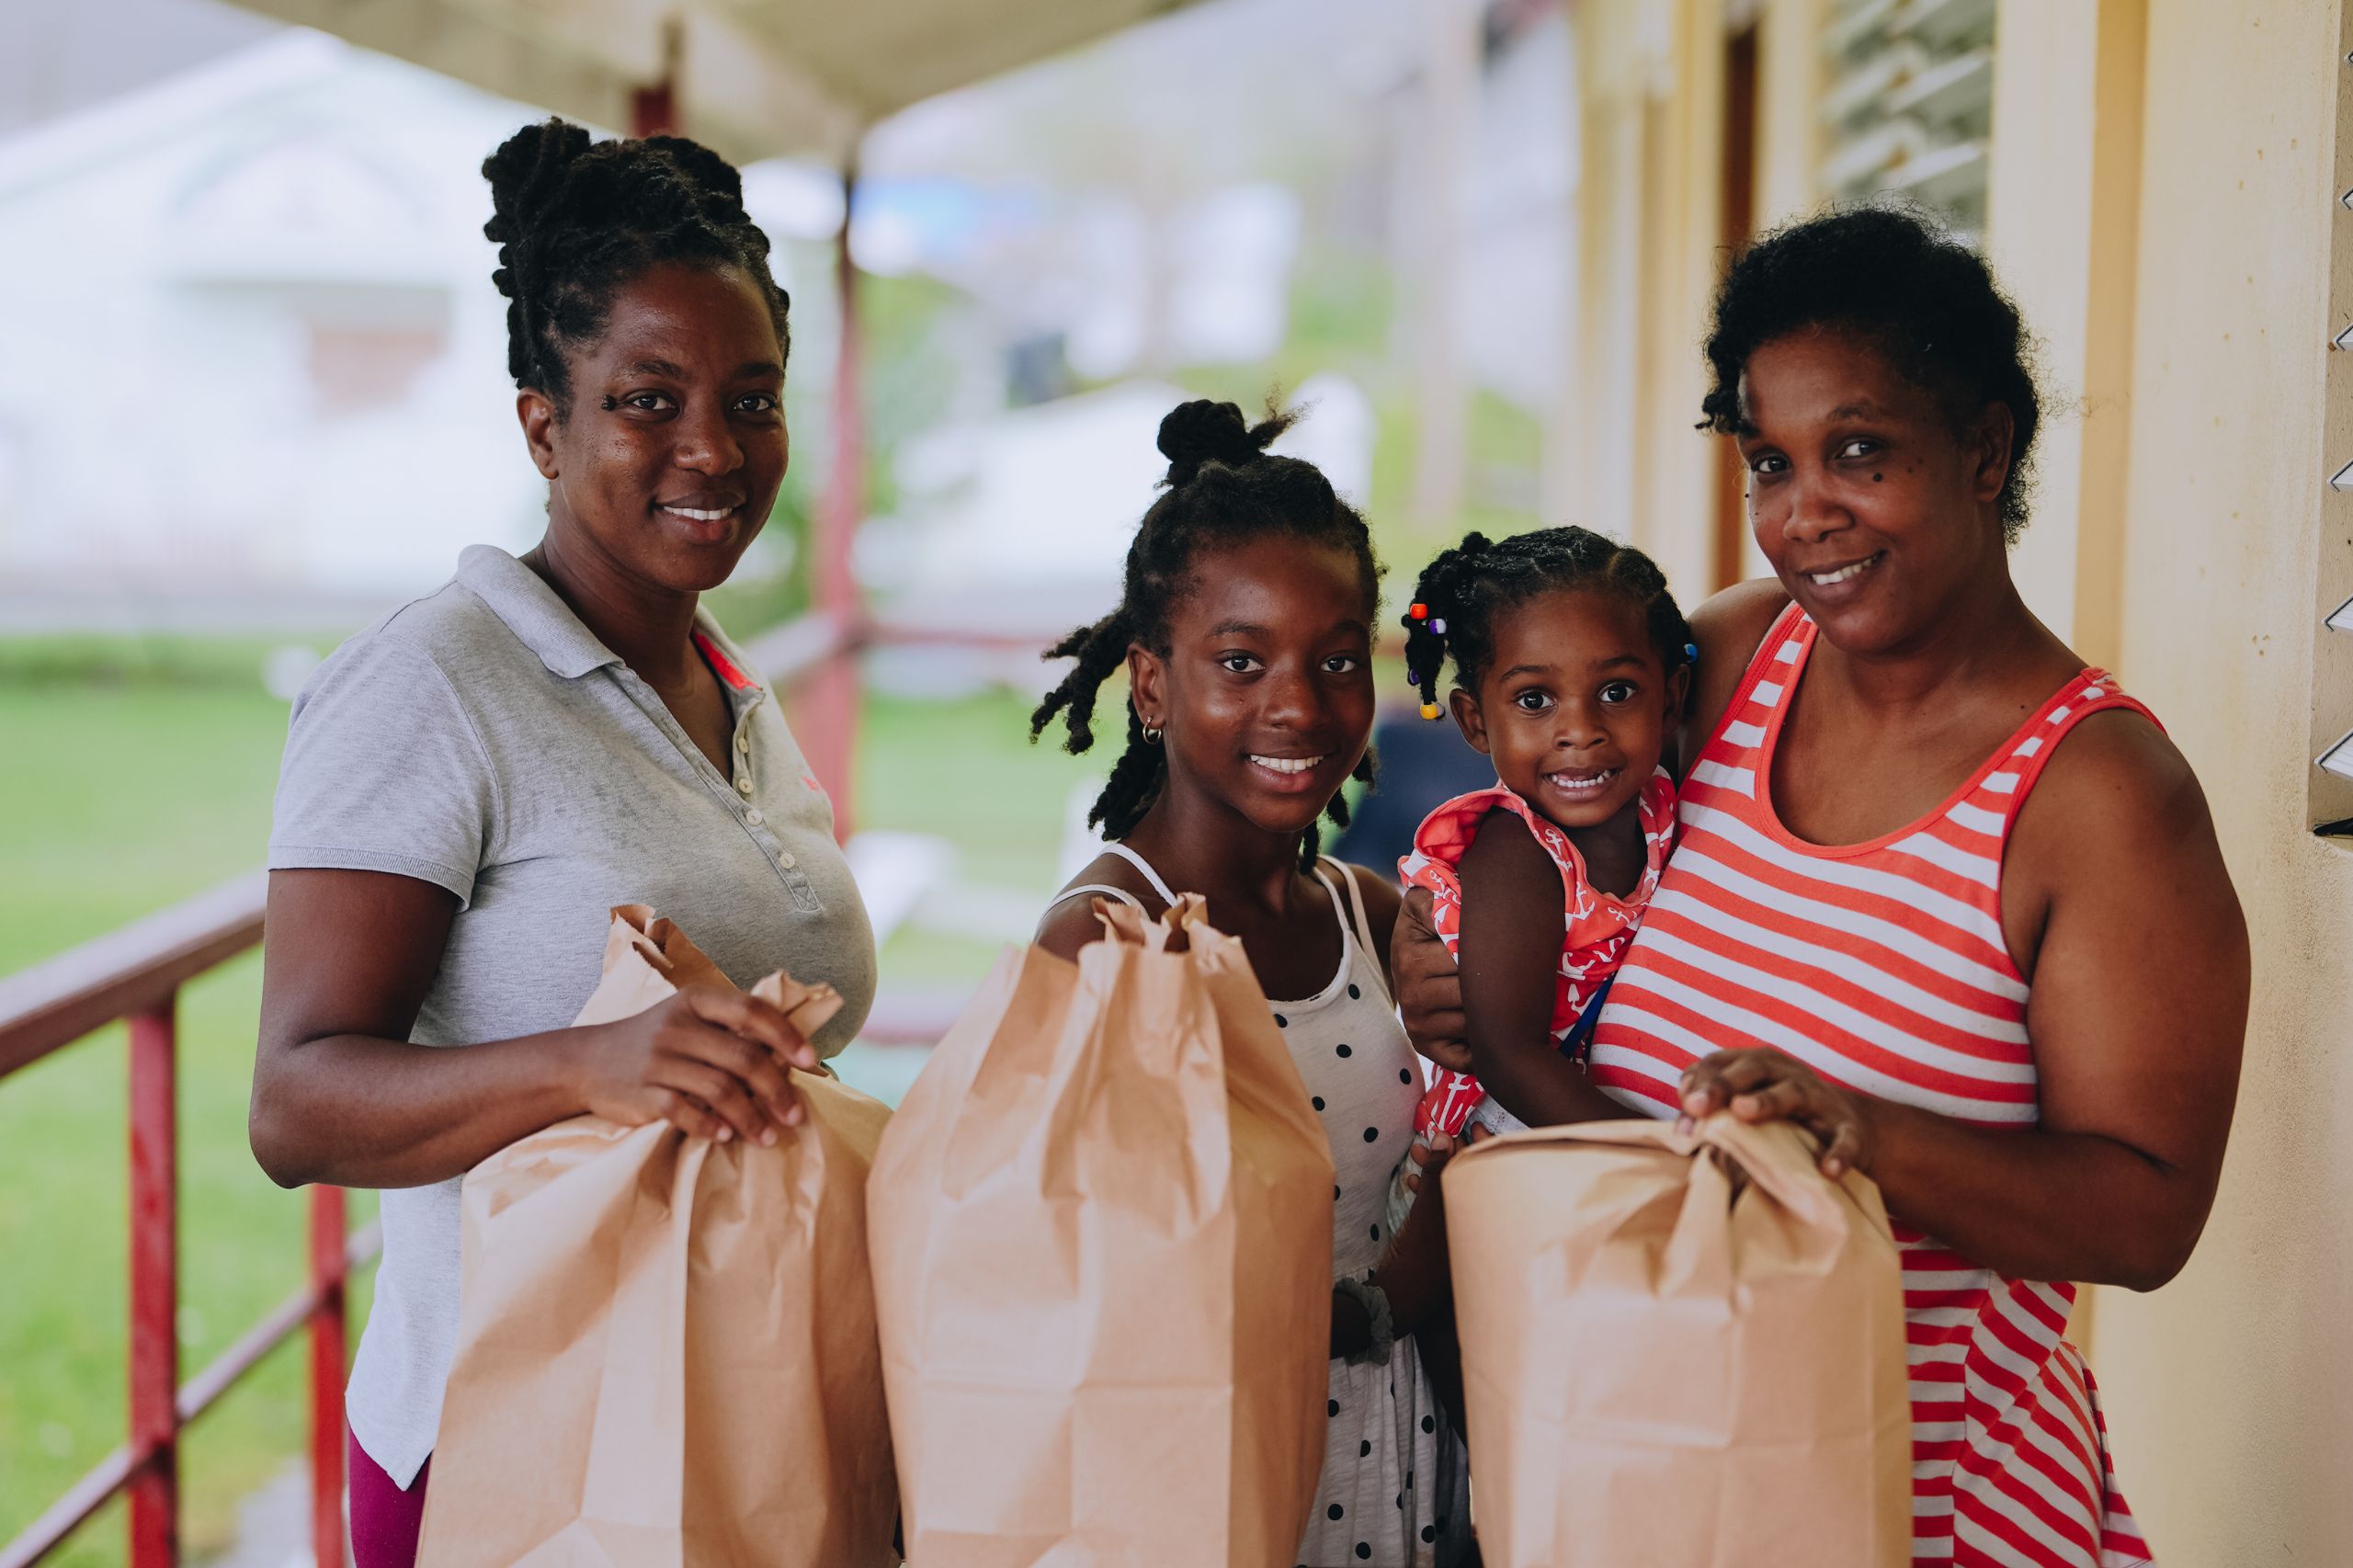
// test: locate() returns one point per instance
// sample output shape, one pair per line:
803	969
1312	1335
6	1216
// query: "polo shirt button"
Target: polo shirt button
744	787
784	858
754	817
744	745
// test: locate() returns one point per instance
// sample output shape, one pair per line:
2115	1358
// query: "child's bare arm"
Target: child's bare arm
1510	956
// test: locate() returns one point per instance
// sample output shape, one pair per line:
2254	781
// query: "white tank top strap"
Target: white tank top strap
1349	944
1356	902
1122	894
1167	895
1347	909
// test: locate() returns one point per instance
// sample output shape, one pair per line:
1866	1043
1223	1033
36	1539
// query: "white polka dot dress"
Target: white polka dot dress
1395	1491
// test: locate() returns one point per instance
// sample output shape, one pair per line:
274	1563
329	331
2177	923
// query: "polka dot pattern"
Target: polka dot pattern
1386	1481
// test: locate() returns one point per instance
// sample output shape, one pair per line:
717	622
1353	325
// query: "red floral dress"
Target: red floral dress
1597	926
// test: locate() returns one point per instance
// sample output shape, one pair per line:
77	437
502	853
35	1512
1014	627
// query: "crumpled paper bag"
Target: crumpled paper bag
1680	1350
1102	1233
666	1355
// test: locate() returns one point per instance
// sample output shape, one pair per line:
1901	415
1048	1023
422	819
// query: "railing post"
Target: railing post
329	1269
154	1289
827	718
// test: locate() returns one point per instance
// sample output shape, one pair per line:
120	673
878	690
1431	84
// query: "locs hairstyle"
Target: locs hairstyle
575	219
1224	488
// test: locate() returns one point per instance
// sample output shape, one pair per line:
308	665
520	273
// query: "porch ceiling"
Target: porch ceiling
756	78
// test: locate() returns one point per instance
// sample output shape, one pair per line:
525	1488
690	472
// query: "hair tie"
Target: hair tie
1690	653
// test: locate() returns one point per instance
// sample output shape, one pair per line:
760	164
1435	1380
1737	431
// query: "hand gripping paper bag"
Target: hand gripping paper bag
665	1348
1102	1233
1680	1350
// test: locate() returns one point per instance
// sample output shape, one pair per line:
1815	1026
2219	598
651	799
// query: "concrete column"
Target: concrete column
2063	221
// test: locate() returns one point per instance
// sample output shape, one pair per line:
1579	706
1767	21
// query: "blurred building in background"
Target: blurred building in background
272	393
263	377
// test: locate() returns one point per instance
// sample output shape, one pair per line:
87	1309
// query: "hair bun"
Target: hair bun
524	175
718	180
1203	431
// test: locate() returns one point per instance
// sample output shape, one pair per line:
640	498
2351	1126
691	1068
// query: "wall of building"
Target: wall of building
2227	1389
1650	87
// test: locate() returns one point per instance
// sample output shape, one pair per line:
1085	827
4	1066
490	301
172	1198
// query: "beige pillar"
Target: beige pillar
1450	85
1651	85
1788	108
2062	230
1610	206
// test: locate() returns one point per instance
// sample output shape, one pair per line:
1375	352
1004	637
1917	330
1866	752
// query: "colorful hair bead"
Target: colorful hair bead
1419	611
1437	627
1429	709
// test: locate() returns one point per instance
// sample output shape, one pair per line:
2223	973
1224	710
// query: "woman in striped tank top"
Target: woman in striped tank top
1944	896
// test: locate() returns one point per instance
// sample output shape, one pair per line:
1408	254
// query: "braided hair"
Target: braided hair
1891	275
1456	600
1223	488
574	219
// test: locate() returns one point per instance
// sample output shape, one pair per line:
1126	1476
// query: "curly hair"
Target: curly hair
1892	276
1223	488
575	219
1459	593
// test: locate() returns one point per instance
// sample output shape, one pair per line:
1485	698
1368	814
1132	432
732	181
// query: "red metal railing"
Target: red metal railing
135	974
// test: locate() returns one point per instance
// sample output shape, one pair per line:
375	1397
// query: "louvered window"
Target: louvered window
2331	793
2337	757
1909	103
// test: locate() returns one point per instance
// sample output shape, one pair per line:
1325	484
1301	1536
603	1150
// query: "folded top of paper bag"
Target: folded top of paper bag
648	959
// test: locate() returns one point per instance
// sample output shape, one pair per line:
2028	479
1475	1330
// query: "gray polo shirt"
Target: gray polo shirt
483	740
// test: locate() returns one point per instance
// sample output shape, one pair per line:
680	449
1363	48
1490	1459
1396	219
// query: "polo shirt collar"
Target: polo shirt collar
545	624
541	622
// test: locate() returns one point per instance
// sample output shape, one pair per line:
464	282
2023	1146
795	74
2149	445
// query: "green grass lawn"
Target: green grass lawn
128	782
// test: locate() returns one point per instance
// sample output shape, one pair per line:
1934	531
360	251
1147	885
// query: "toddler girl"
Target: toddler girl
1571	665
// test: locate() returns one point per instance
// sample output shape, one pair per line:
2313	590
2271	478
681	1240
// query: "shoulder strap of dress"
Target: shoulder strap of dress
1356	901
1167	895
1167	898
2092	691
1122	894
1762	664
1368	960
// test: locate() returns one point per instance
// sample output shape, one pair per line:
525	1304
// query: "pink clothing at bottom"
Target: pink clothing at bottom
385	1520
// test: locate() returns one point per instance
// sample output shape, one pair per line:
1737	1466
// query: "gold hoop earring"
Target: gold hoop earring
1151	735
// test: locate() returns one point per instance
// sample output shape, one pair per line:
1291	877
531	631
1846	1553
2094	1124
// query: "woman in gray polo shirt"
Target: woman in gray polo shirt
470	783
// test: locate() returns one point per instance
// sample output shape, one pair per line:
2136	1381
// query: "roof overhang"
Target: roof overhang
754	78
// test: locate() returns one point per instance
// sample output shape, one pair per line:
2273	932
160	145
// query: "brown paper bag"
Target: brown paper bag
1680	1350
1102	1233
665	1352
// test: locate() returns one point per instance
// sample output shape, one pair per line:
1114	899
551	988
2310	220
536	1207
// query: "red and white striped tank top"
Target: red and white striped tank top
1883	967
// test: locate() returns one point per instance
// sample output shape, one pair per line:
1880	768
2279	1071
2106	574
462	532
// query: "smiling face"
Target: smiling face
668	460
1574	706
1266	691
1873	511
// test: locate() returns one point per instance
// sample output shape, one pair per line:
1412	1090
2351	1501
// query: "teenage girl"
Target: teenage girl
1571	665
1245	629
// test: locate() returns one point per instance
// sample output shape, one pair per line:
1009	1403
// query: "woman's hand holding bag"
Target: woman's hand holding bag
1680	1346
666	1353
